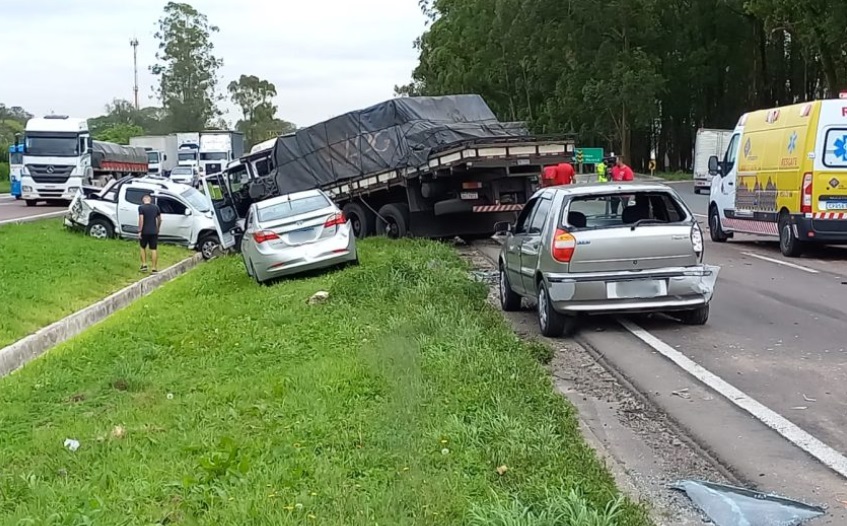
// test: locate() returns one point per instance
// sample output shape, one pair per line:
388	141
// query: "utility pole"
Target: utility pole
134	44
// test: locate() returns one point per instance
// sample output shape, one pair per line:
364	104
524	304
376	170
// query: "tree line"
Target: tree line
188	91
632	75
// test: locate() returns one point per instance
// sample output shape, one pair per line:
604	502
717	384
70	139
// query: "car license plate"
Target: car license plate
301	236
636	289
470	195
835	205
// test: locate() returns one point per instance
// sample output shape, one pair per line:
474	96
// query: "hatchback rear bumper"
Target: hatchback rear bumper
658	290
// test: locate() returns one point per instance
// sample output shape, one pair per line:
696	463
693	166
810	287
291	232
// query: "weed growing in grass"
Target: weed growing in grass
404	399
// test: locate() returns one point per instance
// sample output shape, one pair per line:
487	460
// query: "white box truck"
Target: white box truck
709	142
188	149
218	148
161	152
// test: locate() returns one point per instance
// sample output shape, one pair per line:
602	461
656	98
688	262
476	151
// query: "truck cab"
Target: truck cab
113	212
56	158
16	161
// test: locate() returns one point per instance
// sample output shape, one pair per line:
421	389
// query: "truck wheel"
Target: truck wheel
789	244
715	229
697	190
393	221
100	229
31	202
361	219
208	245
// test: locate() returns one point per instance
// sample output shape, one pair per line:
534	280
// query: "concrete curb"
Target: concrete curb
22	351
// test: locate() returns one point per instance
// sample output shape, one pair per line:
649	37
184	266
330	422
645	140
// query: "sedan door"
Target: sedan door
531	247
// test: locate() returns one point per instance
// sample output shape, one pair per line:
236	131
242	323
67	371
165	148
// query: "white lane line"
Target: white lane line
811	445
780	262
33	218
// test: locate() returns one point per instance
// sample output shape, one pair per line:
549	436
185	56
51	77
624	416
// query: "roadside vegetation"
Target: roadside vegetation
402	399
47	273
5	183
675	176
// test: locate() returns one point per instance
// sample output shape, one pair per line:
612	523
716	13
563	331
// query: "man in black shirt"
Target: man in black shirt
149	220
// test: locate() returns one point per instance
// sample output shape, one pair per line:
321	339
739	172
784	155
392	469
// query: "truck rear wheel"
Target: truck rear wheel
361	219
393	221
31	202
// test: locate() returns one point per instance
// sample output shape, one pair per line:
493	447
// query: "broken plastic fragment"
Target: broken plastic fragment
731	506
71	444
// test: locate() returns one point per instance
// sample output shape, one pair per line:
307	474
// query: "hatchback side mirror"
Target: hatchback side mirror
503	227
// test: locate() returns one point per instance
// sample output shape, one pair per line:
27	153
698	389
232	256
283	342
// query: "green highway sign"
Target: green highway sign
589	155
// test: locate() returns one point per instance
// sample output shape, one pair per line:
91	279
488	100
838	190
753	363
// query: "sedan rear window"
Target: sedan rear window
292	208
616	210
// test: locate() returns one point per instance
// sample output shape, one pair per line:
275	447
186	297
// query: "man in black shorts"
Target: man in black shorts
149	220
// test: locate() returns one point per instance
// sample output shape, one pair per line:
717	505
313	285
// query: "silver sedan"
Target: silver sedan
605	249
296	233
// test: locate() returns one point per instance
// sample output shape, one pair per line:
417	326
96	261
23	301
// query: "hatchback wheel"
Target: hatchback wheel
509	301
698	316
552	323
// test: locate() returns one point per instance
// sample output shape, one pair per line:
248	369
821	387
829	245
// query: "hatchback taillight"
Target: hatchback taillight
335	220
564	245
264	235
806	206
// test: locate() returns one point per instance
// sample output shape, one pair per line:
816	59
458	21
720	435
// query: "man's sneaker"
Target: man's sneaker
143	268
155	271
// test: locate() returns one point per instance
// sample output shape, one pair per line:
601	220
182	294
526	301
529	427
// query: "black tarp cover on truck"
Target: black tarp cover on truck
102	151
396	134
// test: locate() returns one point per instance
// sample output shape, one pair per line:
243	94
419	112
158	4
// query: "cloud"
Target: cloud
326	57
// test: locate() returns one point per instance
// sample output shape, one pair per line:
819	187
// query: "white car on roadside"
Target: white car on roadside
112	211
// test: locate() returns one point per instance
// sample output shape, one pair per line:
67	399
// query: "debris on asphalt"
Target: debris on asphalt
486	276
800	408
682	393
733	506
318	297
71	444
806	398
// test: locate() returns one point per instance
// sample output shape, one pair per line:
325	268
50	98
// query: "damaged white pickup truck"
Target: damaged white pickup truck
112	211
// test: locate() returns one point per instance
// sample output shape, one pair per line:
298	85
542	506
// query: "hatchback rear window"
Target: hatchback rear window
292	208
616	210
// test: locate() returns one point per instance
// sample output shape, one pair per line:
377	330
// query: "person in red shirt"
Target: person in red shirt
621	172
558	175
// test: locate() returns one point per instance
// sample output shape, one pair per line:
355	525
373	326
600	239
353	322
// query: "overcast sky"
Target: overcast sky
326	57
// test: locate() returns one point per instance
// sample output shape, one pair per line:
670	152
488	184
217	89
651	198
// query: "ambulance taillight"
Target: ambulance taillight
806	207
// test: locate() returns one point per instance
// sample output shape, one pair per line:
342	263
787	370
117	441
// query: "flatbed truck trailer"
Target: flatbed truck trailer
462	191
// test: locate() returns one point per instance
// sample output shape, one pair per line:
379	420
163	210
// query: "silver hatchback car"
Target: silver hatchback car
295	233
604	249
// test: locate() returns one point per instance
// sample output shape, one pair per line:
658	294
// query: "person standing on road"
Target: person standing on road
601	172
620	173
560	174
149	221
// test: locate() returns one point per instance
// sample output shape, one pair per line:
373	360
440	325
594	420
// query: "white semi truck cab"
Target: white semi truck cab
56	159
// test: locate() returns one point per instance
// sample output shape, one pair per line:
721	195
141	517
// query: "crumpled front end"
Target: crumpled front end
657	290
78	213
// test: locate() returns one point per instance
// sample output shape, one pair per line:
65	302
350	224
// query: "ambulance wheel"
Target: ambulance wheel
715	229
789	244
